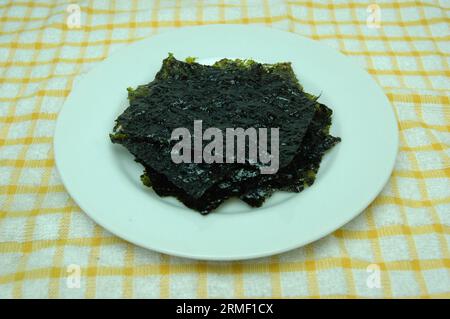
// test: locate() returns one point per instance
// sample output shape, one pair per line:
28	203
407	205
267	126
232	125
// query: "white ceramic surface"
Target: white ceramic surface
104	180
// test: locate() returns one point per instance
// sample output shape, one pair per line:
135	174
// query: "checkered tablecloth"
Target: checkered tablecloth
50	248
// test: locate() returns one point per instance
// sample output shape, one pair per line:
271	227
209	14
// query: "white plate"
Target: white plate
104	180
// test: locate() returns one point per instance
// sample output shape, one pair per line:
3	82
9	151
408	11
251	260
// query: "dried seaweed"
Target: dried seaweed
300	173
223	96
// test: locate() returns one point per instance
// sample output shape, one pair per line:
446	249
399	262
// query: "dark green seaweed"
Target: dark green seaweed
300	173
228	94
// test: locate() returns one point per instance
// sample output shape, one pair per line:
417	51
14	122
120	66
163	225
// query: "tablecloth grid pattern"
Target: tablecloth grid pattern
405	231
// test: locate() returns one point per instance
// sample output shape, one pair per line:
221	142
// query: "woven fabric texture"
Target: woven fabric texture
46	240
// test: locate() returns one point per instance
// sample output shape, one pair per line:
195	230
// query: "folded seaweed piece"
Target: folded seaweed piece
256	188
228	94
301	172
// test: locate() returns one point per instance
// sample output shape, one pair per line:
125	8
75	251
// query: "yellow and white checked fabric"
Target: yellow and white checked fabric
404	233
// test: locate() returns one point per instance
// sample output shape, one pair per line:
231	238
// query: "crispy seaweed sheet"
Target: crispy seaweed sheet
228	94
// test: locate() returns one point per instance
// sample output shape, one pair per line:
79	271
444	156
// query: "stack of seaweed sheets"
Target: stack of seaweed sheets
228	94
